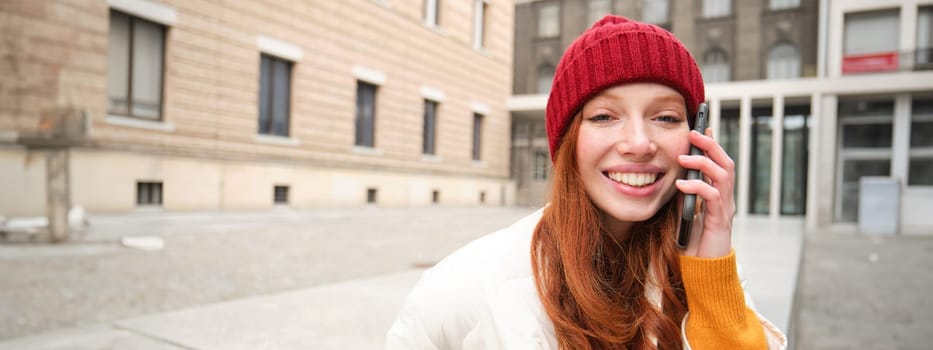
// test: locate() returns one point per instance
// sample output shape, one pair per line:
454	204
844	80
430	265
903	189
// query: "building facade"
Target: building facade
807	96
196	105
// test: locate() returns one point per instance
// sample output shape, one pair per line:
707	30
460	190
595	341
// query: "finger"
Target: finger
710	169
712	197
712	149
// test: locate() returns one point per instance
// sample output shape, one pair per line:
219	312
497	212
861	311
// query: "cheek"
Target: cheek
683	139
676	145
586	148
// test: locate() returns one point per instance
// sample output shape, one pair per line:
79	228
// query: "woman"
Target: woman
599	268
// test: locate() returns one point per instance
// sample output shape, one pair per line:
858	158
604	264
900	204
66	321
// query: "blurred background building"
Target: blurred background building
122	105
807	96
127	105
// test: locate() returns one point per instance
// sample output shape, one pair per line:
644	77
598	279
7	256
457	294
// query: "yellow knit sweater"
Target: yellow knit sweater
718	317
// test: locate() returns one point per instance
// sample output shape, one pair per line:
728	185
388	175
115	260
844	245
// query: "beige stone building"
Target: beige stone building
195	105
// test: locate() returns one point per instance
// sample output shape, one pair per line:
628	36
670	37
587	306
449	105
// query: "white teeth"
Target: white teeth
634	179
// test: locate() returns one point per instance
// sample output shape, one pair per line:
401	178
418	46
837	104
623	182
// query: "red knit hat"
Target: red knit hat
617	50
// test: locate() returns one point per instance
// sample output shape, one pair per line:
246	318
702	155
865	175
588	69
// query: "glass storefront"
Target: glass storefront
760	180
729	137
920	171
793	163
794	160
864	143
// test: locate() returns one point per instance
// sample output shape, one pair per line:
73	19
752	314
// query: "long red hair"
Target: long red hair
593	287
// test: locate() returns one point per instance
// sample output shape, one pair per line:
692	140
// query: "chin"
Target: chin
632	212
630	215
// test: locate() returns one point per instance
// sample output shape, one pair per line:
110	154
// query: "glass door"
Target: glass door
864	145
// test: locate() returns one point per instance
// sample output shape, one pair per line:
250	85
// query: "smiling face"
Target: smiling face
627	148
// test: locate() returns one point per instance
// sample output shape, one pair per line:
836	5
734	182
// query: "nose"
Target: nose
636	142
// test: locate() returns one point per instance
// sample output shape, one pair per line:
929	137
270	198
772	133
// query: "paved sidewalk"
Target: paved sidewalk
865	292
347	315
214	257
356	314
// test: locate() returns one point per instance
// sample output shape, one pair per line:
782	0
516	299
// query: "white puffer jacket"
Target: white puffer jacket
483	296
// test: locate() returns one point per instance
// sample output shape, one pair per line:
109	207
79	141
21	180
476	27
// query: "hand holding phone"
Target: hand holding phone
690	199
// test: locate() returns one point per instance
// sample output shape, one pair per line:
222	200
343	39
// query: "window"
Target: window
729	137
760	172
435	197
920	171
477	135
717	8
871	32
365	114
655	12
148	193
479	24
864	143
783	62
548	20
274	95
280	194
432	12
783	4
482	197
135	64
715	66
430	127
545	78
924	57
541	166
371	195
871	41
596	9
795	155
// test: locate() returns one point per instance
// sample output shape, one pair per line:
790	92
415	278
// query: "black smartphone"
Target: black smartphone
691	200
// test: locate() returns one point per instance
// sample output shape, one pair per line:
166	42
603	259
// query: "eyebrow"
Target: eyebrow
669	98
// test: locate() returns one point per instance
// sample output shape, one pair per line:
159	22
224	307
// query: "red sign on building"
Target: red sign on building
873	62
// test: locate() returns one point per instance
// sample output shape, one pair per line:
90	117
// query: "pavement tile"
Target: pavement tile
348	315
97	337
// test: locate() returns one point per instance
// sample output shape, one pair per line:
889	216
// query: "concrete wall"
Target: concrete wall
105	181
915	211
22	182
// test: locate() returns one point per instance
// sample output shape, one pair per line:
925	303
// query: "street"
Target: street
865	292
215	257
293	279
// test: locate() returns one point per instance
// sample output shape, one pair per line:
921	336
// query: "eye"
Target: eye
668	119
599	118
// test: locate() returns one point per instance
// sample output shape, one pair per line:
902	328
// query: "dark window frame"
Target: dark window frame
429	128
129	67
477	148
372	195
267	95
280	194
365	126
146	191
